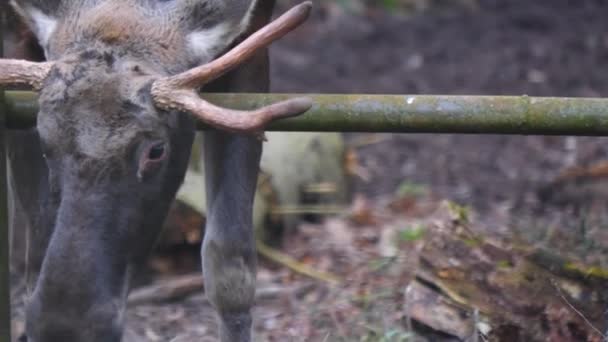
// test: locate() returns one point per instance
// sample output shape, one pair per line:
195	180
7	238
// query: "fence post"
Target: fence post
5	301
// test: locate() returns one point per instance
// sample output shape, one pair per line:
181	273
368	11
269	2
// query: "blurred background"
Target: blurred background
406	237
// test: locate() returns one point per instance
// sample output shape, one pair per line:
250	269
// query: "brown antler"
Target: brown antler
19	72
179	92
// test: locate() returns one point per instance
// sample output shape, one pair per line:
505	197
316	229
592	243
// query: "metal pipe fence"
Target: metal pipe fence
355	113
5	300
404	113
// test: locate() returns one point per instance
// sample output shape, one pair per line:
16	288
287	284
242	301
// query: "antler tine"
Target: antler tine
179	92
206	73
242	121
15	72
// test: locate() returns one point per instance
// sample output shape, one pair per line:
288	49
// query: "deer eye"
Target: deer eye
156	152
151	159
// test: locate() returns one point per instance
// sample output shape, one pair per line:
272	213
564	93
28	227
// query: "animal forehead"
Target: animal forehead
98	133
94	109
96	79
113	21
87	136
124	25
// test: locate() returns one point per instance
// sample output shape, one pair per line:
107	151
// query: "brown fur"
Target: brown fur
19	41
127	28
96	212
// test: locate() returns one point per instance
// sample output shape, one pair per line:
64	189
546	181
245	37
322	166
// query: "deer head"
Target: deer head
118	95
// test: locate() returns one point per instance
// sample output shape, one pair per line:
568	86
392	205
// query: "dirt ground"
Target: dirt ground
515	186
505	47
498	47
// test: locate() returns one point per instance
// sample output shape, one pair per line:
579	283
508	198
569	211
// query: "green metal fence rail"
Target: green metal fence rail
405	113
5	301
358	113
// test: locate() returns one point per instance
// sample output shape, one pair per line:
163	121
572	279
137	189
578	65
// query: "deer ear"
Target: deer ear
213	25
40	15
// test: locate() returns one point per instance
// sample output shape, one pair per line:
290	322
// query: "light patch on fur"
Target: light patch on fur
44	25
247	18
205	44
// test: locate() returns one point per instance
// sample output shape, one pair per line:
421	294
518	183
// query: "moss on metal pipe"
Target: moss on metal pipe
5	301
407	113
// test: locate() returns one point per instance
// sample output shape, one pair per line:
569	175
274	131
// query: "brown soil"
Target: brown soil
504	47
500	47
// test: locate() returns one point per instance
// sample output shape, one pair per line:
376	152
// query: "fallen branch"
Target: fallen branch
168	290
298	267
178	288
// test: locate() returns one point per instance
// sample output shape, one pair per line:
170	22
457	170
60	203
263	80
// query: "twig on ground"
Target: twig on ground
184	286
168	290
580	314
294	265
338	324
407	308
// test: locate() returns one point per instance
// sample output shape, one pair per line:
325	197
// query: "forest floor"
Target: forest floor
438	218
